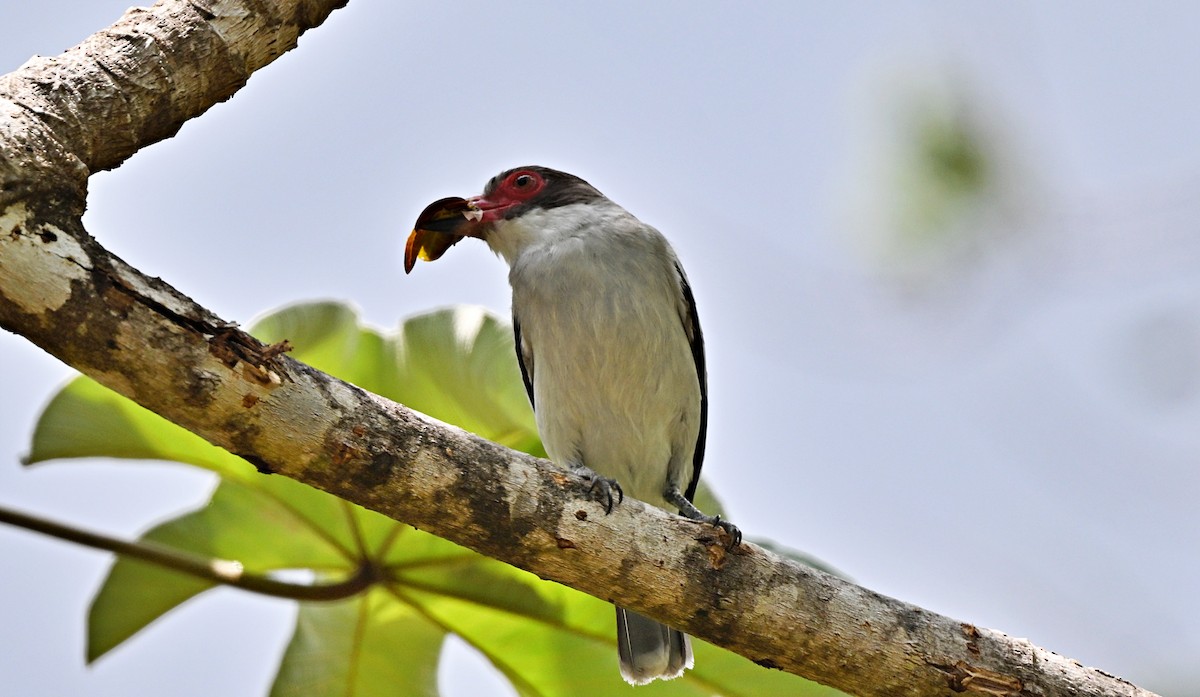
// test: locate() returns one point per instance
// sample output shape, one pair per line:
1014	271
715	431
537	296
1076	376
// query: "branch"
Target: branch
135	83
222	571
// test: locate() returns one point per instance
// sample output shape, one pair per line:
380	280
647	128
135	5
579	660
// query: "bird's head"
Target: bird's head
507	197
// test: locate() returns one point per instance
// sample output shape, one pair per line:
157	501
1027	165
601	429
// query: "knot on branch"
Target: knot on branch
259	362
963	677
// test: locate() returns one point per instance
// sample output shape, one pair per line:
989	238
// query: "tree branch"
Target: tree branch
135	83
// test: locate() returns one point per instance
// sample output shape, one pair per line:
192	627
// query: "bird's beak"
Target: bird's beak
439	227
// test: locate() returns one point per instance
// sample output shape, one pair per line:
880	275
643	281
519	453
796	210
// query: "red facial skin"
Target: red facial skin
517	188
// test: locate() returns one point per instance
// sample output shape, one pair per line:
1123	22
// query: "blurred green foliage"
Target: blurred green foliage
456	365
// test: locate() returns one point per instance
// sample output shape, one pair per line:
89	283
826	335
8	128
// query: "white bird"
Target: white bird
610	349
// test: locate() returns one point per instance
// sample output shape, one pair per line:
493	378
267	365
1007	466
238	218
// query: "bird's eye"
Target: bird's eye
523	184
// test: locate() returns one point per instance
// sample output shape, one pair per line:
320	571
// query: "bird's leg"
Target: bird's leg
688	510
599	488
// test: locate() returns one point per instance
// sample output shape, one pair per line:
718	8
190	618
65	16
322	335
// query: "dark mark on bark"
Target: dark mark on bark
911	619
201	386
382	467
259	464
244	433
344	453
487	496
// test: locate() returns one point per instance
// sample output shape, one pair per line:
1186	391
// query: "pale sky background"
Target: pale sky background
1007	435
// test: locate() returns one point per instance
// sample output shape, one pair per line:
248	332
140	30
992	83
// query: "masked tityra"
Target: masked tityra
610	348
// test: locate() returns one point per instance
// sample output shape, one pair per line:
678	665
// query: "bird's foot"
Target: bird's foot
688	510
734	533
605	490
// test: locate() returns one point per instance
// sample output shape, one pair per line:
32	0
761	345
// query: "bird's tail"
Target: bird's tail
650	650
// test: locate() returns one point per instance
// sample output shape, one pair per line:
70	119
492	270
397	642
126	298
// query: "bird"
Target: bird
610	350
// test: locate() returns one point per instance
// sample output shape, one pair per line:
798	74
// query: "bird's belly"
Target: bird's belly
616	390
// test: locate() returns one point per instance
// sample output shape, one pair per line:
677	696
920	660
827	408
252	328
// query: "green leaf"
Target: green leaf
273	523
265	526
572	650
367	645
456	365
86	419
134	594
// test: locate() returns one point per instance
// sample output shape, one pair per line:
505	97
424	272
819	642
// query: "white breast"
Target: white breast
615	384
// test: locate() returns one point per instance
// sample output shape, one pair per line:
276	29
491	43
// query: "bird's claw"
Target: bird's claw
688	510
735	535
601	489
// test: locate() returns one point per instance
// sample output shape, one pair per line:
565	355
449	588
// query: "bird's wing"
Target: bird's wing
691	326
525	359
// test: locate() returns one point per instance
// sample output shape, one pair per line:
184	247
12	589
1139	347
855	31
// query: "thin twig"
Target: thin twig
221	571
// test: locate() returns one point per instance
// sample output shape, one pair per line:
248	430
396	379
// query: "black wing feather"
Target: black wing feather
526	370
691	325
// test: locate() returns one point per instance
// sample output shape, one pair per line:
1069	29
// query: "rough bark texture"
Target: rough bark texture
137	82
